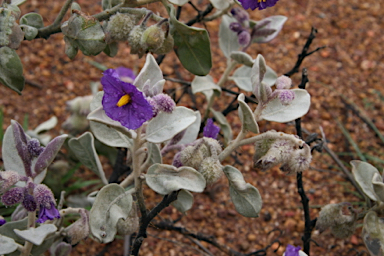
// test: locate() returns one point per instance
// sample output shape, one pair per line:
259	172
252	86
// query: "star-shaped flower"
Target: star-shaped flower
123	102
260	4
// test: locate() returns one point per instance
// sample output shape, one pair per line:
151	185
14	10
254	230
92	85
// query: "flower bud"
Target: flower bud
34	147
167	45
286	96
153	38
236	27
244	38
10	178
240	14
120	25
13	196
29	203
43	195
134	39
79	230
331	215
283	82
211	169
164	103
131	224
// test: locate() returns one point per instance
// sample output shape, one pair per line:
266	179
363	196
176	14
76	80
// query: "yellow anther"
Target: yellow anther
261	0
124	100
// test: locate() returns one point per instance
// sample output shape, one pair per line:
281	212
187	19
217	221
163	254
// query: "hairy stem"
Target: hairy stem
26	251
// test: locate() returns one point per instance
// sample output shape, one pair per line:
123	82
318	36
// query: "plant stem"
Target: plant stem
136	163
31	224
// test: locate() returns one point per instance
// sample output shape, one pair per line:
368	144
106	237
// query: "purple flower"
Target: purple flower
48	213
125	74
292	250
286	96
13	196
2	222
260	4
34	147
211	130
123	102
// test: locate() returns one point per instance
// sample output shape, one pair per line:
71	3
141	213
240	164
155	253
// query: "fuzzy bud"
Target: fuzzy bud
244	38
211	169
10	178
331	215
236	27
276	148
286	96
283	82
153	38
34	147
240	14
120	25
13	196
134	39
131	224
79	230
167	45
164	103
29	203
43	195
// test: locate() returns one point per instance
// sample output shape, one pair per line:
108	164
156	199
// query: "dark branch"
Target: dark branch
304	53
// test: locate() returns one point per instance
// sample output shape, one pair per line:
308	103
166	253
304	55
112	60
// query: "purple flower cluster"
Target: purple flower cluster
257	4
241	27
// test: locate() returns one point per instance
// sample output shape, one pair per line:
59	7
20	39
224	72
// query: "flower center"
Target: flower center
261	1
124	100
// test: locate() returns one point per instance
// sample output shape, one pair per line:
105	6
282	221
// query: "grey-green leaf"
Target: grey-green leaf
184	201
204	83
242	58
8	229
109	136
11	70
150	71
111	205
192	47
242	78
7	245
36	235
164	126
246	116
245	197
277	112
154	154
228	41
164	179
372	233
32	19
363	174
84	149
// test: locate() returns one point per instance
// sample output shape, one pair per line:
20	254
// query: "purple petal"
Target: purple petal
48	214
211	130
253	4
131	115
2	222
49	153
292	250
123	72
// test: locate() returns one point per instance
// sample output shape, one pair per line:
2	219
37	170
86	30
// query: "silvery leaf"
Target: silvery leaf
98	115
246	116
8	229
228	41
242	78
47	125
84	149
378	186
111	205
204	83
164	179
184	201
242	58
277	112
109	136
363	174
372	233
36	235
245	197
7	245
259	69
96	101
276	23
220	4
192	131
164	126
151	71
154	154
